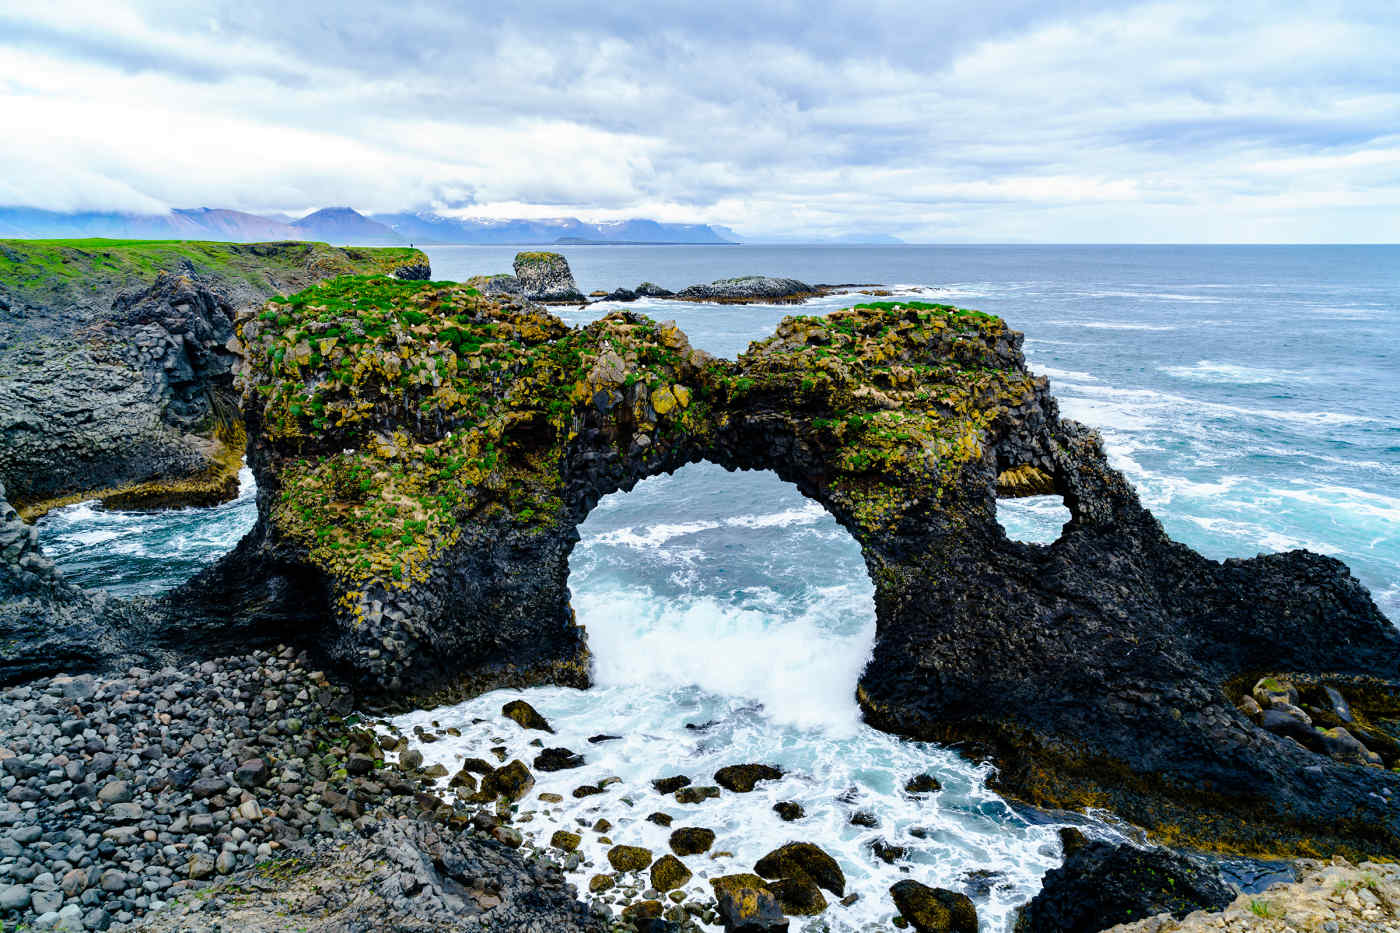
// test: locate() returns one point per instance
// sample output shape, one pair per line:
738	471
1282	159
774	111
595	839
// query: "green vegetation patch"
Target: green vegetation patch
50	272
400	408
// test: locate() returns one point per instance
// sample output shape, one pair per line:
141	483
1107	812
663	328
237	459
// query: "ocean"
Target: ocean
1252	394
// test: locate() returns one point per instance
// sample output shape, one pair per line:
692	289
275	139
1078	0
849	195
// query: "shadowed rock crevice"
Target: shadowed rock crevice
425	454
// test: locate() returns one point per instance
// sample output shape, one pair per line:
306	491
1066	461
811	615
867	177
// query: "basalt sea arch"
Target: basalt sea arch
425	454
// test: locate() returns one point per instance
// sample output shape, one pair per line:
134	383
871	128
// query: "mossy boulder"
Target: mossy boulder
600	883
525	716
934	910
696	794
565	840
629	858
512	781
643	911
789	810
691	840
668	873
741	779
746	904
803	859
799	896
669	785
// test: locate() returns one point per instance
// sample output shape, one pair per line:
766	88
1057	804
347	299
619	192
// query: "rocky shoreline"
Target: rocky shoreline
116	363
195	789
424	453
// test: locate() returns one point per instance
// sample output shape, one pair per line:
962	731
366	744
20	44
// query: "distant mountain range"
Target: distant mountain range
345	226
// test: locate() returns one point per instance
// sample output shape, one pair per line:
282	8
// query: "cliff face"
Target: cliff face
116	362
425	454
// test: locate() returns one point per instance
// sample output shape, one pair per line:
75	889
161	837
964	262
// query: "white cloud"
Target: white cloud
1165	121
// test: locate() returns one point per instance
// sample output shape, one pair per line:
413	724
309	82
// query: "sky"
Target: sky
995	121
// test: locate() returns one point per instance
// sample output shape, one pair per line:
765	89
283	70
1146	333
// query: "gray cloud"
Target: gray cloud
1007	120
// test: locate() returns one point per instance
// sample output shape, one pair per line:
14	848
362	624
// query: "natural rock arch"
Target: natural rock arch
424	455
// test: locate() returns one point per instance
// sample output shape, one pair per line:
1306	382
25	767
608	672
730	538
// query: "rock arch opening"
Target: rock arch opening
732	583
1032	519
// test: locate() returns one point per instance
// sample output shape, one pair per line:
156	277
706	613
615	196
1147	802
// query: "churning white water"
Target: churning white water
729	620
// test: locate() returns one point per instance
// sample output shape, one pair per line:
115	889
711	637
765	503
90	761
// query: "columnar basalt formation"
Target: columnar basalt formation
425	454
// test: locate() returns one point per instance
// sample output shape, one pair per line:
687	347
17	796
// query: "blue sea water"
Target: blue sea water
1252	394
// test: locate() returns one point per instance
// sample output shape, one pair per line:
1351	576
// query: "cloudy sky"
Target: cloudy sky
995	120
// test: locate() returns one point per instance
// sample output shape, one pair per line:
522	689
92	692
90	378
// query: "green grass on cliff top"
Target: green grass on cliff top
42	272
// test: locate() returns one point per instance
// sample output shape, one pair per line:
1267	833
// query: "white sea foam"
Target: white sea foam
1068	375
1231	373
652	535
1114	325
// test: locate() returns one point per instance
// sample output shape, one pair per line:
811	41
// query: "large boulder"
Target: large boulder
803	860
741	779
746	905
934	910
546	277
1101	884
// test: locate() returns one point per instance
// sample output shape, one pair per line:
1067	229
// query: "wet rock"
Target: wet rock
741	779
642	911
923	784
696	794
652	290
934	910
886	851
601	738
525	715
789	810
668	873
746	904
866	818
797	859
565	841
513	781
600	883
749	289
660	819
691	840
1101	884
799	896
587	790
411	759
669	785
557	759
629	858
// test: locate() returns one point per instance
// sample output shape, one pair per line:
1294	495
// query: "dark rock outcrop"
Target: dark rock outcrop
1101	884
546	277
429	472
749	289
117	370
934	910
741	779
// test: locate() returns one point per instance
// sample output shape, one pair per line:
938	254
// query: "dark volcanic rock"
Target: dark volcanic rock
744	778
934	910
557	759
691	840
1102	884
525	716
746	905
116	381
546	277
789	810
750	289
798	859
1098	670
